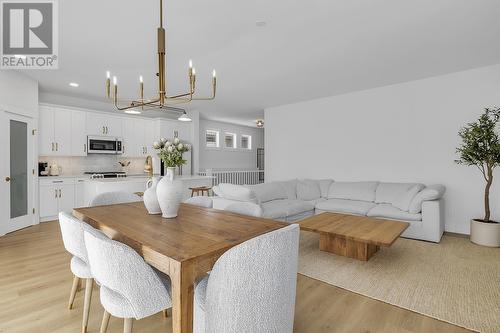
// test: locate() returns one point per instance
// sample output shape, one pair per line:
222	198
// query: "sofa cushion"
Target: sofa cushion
308	190
235	192
290	187
282	208
269	191
432	192
324	185
363	191
390	212
389	192
404	200
345	206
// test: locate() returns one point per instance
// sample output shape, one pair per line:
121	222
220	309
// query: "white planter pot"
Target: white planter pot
169	193
150	198
486	234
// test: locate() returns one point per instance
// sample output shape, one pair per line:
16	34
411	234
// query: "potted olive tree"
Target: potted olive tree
481	148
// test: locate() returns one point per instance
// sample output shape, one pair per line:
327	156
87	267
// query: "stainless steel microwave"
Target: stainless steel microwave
104	145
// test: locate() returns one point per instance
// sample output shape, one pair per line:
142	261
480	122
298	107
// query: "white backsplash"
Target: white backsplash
94	163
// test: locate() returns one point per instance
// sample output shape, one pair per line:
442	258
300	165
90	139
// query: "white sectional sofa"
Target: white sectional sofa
294	200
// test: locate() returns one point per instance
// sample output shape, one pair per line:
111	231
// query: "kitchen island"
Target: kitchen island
65	192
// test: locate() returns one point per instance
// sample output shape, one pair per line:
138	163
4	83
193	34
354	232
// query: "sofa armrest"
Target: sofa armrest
433	219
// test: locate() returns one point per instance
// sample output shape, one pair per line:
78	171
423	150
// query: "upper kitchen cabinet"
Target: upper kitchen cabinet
150	133
138	135
133	130
54	131
101	124
171	128
78	133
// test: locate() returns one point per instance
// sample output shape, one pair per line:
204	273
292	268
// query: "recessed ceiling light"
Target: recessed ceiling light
74	84
133	112
260	23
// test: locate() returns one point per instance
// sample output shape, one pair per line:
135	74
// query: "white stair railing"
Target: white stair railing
236	177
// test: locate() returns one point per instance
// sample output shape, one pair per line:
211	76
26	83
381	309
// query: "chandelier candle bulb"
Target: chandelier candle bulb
108	84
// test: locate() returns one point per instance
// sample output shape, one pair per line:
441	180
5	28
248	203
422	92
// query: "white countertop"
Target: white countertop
129	178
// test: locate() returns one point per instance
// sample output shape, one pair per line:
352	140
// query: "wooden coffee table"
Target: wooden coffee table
357	237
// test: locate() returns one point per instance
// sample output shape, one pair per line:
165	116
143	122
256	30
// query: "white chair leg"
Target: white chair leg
86	304
105	321
127	325
74	289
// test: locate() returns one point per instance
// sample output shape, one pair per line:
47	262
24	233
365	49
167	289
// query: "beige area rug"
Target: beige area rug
454	281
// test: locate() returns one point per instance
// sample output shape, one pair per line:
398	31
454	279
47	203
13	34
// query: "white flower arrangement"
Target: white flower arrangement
170	152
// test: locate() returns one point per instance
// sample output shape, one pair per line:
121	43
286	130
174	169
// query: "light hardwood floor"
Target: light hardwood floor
35	282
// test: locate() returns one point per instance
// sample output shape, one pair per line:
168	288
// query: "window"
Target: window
230	140
246	142
212	138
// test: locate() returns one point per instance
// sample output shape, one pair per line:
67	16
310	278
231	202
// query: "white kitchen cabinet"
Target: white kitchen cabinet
80	193
78	133
133	137
102	124
56	195
60	131
46	144
149	136
66	198
48	201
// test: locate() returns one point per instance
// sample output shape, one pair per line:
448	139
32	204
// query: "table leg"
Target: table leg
182	277
347	247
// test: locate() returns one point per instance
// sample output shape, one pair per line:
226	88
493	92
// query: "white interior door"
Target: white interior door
19	179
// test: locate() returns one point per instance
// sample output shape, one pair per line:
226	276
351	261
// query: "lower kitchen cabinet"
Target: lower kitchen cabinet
56	195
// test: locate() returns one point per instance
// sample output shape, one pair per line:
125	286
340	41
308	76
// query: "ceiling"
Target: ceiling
307	49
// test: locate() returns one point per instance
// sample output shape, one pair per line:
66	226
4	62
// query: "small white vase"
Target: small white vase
150	198
169	193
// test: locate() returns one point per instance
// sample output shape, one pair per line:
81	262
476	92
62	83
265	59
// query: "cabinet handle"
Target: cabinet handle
56	193
57	181
103	130
57	146
84	147
52	146
107	131
59	193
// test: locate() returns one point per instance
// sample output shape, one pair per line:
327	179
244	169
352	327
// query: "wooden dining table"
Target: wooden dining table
185	248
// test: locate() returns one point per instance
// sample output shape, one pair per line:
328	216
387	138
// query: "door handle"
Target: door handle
7	179
59	193
55	190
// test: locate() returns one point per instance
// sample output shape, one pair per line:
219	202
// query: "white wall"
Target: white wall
405	132
223	158
18	93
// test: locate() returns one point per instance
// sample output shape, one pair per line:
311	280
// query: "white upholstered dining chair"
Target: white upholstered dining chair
72	235
251	287
200	201
130	288
112	198
245	208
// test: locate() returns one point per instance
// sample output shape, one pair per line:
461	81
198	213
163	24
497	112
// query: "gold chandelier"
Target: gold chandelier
162	100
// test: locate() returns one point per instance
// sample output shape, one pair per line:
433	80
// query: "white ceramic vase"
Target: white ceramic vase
150	198
169	193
